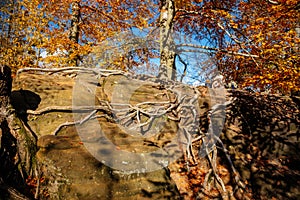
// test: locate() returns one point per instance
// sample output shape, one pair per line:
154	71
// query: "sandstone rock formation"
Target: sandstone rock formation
140	116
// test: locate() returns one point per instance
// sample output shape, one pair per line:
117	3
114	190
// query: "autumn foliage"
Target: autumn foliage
271	32
255	43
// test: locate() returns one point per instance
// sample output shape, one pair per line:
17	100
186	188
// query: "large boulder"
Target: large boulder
259	131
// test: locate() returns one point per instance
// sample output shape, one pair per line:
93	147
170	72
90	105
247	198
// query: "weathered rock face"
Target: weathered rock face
73	173
68	170
261	134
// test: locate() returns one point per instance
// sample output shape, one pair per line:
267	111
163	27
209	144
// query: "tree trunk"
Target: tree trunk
74	32
5	89
167	45
17	149
297	29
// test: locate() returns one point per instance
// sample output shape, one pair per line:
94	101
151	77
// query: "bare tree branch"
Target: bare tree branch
185	67
233	37
211	49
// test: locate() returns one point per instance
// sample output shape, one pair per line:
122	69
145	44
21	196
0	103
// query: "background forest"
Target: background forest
255	43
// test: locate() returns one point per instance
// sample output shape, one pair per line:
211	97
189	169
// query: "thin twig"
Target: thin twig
196	47
74	123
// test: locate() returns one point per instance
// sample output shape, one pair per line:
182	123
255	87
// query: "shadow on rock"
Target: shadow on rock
262	136
23	100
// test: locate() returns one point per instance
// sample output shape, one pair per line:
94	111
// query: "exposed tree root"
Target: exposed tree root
183	110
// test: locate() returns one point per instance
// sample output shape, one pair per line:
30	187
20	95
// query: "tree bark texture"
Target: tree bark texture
17	148
5	90
297	29
167	45
74	31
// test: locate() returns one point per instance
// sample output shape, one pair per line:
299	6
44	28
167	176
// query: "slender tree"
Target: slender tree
74	30
167	45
